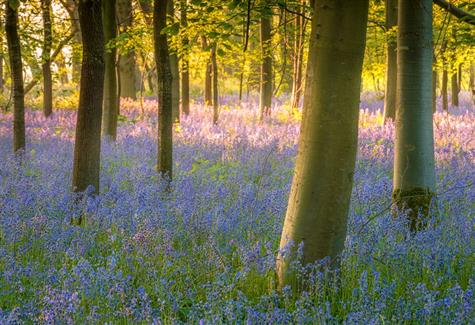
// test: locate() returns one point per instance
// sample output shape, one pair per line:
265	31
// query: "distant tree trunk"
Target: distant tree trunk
111	95
266	65
87	148
298	59
46	58
16	69
321	188
414	175
443	89
472	80
434	91
1	57
185	73
391	63
455	89
127	65
214	65
208	74
174	69
165	85
72	9
62	70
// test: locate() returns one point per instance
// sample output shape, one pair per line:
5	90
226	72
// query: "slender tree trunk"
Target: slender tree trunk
1	56
72	9
16	69
455	89
127	64
298	59
111	96
46	58
62	69
266	65
208	74
391	62
443	89
214	65
87	148
472	80
185	73
165	85
434	91
174	69
321	188
414	175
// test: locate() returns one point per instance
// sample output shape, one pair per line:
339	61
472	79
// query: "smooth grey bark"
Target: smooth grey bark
111	96
46	58
87	147
174	68
391	63
414	175
164	85
265	101
319	199
214	65
16	70
185	73
127	62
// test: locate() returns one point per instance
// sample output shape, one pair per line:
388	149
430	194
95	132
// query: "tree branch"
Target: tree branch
455	11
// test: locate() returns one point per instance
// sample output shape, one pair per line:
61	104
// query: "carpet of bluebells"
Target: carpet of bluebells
204	252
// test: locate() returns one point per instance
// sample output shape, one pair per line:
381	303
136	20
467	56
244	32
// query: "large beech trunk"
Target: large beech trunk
87	147
414	176
16	68
321	188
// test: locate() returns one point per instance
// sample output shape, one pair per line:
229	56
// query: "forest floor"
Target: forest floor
204	252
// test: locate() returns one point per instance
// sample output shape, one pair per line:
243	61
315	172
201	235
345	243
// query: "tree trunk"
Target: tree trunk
165	85
16	69
265	101
111	95
72	9
46	58
472	80
214	65
434	91
185	73
208	74
321	188
414	175
443	89
298	59
1	57
455	89
127	64
391	62
62	69
174	68
87	148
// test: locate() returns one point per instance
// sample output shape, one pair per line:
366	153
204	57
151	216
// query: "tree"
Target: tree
321	188
87	148
174	67
185	73
72	9
214	65
299	39
46	58
414	175
127	64
16	69
391	62
165	85
111	96
266	65
208	74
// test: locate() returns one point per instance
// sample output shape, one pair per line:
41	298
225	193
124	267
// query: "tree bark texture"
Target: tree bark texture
46	58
